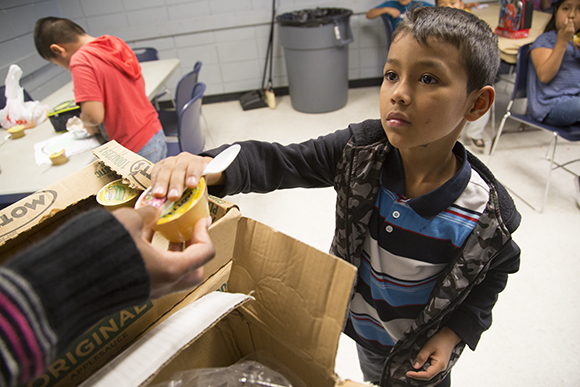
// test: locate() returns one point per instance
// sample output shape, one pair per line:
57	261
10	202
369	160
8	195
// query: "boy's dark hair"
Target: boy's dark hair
54	30
476	42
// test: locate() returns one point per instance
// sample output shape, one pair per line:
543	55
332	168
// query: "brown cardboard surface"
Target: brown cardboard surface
301	299
37	216
301	294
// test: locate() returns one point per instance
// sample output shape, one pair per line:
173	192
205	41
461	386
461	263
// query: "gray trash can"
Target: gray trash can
315	45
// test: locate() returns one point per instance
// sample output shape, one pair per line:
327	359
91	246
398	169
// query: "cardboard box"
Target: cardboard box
35	217
287	299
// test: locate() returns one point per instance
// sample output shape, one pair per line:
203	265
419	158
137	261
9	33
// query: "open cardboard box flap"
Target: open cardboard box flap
285	297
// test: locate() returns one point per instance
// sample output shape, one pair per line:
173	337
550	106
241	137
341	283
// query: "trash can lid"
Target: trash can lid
314	17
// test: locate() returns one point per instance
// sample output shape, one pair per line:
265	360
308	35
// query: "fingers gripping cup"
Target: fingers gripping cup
177	220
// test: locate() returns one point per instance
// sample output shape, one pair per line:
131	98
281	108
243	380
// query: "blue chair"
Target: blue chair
189	134
183	94
146	54
388	29
571	133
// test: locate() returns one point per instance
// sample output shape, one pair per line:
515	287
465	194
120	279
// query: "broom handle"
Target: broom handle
270	50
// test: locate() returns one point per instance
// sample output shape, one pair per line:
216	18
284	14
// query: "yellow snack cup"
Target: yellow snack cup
177	221
116	194
577	38
58	158
16	131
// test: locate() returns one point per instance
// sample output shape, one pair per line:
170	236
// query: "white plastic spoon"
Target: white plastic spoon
222	160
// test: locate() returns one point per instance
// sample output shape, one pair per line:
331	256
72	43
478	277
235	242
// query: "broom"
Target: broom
269	91
265	96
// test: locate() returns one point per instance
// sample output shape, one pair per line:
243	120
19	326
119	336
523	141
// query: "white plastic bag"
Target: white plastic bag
16	111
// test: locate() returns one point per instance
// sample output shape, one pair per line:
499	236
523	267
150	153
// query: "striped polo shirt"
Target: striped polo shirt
409	244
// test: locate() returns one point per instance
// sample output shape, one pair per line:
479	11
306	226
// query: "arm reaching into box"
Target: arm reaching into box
96	264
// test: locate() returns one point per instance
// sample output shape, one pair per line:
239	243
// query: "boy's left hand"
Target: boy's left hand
438	349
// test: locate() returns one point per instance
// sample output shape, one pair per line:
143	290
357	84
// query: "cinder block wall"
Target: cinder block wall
229	36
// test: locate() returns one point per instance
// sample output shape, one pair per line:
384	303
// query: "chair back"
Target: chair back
189	132
184	90
146	54
388	29
27	96
521	82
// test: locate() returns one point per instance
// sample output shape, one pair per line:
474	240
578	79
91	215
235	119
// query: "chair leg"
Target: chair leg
498	134
493	120
548	178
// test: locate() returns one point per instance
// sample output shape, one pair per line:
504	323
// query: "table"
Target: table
509	47
20	176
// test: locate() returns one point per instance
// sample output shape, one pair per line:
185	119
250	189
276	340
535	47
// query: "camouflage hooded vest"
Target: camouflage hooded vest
357	186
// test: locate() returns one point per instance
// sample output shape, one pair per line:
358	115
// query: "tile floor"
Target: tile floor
534	340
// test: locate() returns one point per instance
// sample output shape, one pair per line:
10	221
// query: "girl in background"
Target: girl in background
554	71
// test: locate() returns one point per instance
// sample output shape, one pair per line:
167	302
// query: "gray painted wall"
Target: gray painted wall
229	36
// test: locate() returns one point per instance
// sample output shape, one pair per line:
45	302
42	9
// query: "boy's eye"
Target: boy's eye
428	79
390	76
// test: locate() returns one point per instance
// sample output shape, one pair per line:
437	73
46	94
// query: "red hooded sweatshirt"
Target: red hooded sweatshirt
106	70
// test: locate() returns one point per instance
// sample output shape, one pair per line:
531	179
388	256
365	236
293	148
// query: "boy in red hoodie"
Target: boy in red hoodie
108	85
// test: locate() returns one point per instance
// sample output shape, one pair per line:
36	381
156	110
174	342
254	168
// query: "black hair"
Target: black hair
54	30
476	42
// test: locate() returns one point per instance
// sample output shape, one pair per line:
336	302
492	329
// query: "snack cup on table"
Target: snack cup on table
177	220
16	131
58	158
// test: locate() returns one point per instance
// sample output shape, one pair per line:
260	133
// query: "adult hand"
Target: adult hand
170	176
173	270
438	349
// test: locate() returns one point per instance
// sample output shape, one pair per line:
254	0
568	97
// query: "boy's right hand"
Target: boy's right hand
170	176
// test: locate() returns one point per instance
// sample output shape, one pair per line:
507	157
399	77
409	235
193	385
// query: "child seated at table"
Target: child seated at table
108	85
554	70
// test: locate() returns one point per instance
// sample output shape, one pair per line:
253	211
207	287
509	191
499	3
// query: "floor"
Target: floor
534	340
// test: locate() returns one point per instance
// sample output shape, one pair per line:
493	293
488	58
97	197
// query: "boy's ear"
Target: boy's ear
58	49
483	102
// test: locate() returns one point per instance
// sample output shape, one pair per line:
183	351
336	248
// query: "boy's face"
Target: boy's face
451	4
423	97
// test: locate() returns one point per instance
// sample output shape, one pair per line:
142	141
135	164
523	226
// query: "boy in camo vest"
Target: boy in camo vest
426	223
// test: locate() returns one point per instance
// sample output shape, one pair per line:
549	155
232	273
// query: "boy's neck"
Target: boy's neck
84	39
427	169
81	41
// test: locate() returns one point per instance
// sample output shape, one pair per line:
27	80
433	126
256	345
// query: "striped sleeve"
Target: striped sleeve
26	338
